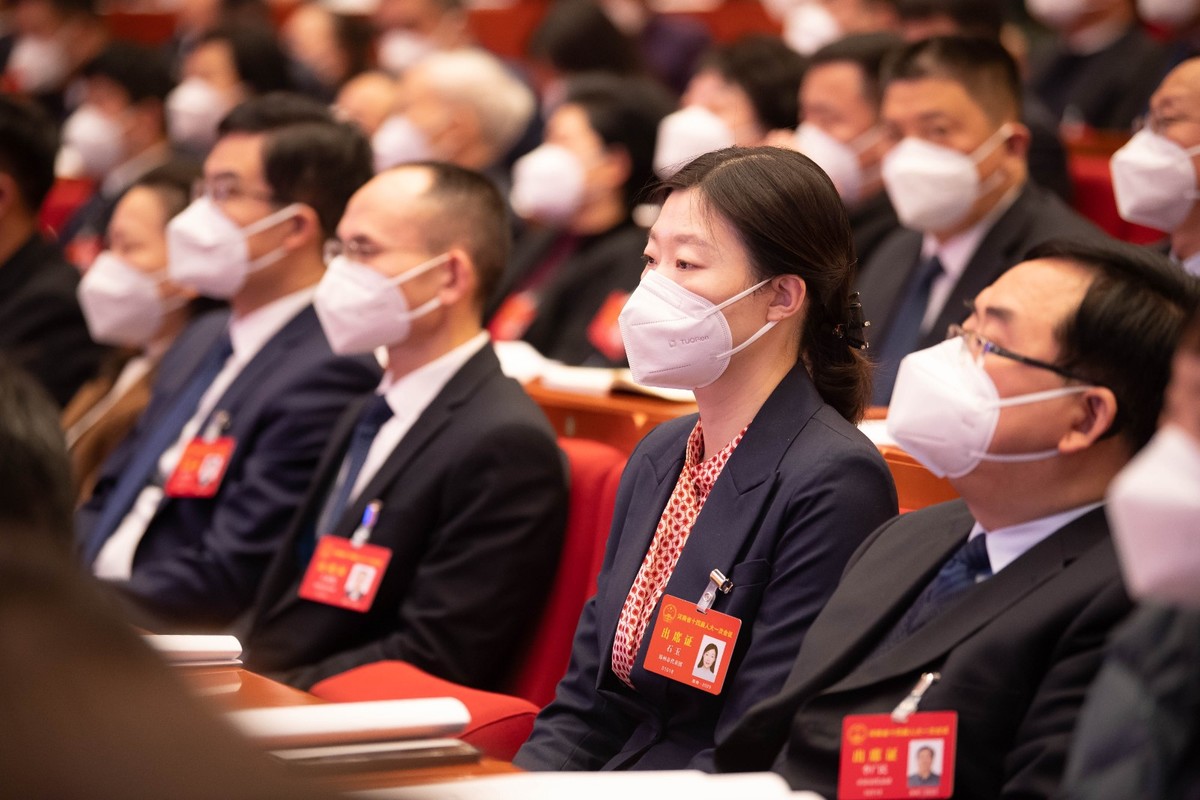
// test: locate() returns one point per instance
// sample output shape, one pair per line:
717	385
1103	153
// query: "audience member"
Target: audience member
920	19
190	508
732	526
129	302
840	129
1101	67
54	38
959	182
410	30
464	107
43	330
116	135
809	25
367	100
1180	20
100	716
994	607
577	37
447	482
1154	175
574	268
743	91
1137	730
670	45
226	66
326	48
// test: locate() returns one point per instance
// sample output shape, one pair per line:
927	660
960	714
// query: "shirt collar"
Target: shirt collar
1006	545
248	334
415	390
957	251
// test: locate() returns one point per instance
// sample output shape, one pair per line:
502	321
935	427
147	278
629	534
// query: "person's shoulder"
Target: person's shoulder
1042	215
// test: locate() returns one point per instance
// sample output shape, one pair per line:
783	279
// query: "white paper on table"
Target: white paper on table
876	430
599	786
520	360
195	649
347	723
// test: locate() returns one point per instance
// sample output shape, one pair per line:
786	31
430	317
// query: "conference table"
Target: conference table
231	688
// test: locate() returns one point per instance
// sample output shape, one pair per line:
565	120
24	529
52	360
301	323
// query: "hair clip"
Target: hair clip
854	329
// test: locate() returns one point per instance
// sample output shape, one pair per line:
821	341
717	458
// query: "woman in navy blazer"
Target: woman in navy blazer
758	238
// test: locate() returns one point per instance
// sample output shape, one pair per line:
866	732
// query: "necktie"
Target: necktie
372	417
905	332
968	566
144	461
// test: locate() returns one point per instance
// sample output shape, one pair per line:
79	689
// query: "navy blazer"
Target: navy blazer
799	494
474	502
1035	217
201	559
1016	655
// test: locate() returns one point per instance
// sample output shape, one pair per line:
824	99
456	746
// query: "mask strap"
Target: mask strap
753	338
866	139
991	143
1037	397
275	217
430	305
1016	458
739	295
419	269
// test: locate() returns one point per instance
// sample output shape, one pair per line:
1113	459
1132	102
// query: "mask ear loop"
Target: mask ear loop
757	334
1025	399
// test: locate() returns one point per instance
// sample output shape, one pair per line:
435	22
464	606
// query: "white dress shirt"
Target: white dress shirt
1006	545
408	396
955	253
248	335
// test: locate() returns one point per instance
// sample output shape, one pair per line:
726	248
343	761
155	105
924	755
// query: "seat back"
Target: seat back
595	473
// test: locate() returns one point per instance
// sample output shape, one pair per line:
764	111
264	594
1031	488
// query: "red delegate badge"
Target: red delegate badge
883	759
691	648
604	332
346	573
201	468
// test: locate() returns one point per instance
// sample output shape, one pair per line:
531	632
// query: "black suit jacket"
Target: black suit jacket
41	324
1016	655
473	508
1036	216
201	559
796	498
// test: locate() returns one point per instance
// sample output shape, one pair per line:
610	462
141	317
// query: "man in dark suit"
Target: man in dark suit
41	325
1005	597
188	511
447	482
959	181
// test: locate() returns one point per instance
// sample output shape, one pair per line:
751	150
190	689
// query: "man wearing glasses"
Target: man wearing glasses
190	508
990	613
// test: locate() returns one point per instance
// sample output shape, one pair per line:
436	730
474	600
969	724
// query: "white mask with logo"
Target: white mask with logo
809	26
838	159
933	187
1154	181
399	141
209	253
549	184
685	134
1154	508
945	408
361	309
121	304
91	139
676	339
194	110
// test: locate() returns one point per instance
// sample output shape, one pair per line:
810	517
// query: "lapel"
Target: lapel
986	602
1001	248
733	511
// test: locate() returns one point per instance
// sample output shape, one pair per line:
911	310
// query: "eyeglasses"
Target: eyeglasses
1157	123
227	187
356	249
979	346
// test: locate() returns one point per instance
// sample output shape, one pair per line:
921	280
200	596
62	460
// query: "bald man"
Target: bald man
445	488
1162	193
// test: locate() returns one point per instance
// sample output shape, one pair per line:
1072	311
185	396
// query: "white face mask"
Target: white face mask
685	134
549	183
838	159
1154	181
94	140
194	110
38	64
400	49
208	252
933	187
1168	13
1154	508
676	339
122	305
1057	13
360	309
398	141
945	408
808	27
